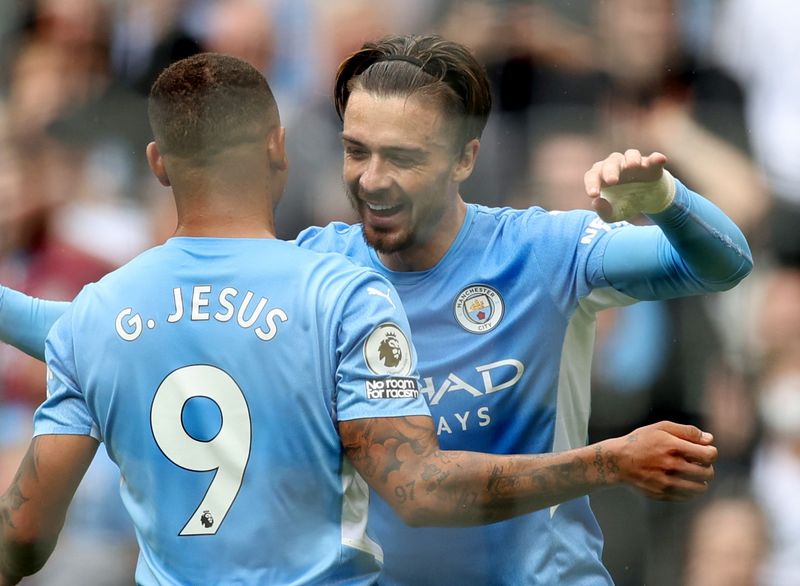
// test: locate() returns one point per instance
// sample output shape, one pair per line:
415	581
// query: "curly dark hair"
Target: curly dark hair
424	65
206	103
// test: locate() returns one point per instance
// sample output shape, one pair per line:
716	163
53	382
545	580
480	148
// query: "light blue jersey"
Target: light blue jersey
504	325
504	330
215	371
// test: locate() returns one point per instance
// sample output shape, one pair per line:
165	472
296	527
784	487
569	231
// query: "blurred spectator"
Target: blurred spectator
59	65
660	97
776	472
727	543
777	320
315	193
242	28
760	47
38	262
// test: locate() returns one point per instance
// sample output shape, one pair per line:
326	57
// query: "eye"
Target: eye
403	161
356	153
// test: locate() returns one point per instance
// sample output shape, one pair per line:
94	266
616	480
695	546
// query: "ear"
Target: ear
156	162
466	162
276	149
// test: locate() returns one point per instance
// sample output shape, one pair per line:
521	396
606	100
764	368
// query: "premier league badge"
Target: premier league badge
478	308
387	351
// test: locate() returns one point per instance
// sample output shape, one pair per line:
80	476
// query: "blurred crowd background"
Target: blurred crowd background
713	84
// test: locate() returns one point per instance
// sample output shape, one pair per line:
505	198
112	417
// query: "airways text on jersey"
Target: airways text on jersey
470	397
204	303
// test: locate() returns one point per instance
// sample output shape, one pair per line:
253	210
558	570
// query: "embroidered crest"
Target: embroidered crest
478	308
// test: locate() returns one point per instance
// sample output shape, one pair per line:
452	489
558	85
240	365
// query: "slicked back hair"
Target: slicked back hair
202	105
420	65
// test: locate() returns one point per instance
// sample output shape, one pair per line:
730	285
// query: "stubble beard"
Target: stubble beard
386	242
382	241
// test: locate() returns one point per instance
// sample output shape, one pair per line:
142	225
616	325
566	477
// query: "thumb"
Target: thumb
688	432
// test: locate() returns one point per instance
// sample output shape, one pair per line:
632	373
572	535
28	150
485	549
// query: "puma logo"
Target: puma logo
378	293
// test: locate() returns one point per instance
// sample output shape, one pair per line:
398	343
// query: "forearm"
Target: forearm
33	508
25	321
695	248
425	485
21	554
469	488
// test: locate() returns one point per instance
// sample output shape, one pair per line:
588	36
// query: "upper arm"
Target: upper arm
395	455
34	506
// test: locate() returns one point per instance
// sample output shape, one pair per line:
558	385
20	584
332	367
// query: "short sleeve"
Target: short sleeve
376	363
569	248
65	411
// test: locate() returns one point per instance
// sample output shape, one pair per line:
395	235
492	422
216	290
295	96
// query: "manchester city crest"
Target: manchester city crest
478	308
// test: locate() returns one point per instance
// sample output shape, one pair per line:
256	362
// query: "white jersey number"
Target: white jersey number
227	453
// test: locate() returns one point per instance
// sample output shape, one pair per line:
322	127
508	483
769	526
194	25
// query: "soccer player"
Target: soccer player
504	302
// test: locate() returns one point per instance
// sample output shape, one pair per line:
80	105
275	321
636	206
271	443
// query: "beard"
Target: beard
387	242
383	241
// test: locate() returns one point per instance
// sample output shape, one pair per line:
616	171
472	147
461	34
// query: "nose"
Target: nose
375	176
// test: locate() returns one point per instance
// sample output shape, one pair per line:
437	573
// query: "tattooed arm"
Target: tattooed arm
33	508
401	459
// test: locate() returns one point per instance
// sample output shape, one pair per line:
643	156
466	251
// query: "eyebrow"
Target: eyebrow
389	150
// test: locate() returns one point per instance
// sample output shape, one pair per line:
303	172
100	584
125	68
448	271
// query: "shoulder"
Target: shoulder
335	237
534	222
134	270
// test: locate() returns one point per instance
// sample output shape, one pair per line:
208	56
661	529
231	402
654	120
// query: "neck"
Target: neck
217	229
432	245
231	197
226	215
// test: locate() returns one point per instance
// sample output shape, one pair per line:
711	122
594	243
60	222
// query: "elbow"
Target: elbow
739	276
730	274
428	513
415	516
25	553
736	276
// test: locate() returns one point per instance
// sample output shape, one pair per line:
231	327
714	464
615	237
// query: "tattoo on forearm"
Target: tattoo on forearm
611	465
378	450
480	488
405	492
467	499
599	465
13	499
501	484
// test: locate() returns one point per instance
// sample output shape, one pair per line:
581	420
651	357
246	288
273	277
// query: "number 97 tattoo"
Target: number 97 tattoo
405	492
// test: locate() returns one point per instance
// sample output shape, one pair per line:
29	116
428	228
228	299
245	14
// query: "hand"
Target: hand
622	186
667	461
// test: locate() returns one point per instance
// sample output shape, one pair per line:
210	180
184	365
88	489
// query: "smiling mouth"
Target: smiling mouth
383	209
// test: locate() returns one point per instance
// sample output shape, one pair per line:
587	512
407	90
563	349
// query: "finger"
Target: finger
633	159
591	179
682	487
612	168
694	472
603	208
687	432
673	488
696	453
653	159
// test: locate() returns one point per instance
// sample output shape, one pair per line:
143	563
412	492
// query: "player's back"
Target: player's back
210	368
